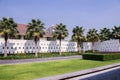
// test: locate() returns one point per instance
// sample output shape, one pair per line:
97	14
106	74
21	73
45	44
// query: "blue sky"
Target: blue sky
87	13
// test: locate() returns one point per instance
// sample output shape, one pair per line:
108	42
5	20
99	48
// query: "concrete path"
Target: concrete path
39	59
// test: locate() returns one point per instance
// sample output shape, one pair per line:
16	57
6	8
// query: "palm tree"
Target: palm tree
60	33
7	29
104	34
78	36
116	33
92	36
35	30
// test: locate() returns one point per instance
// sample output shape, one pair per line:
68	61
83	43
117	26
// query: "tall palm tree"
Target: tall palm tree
78	36
7	29
36	31
104	34
60	33
116	33
92	36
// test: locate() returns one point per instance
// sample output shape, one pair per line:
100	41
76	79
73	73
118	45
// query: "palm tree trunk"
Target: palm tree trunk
119	41
5	49
6	39
36	50
36	39
60	48
78	46
93	47
79	49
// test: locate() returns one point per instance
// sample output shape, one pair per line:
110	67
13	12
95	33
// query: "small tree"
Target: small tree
7	29
92	36
78	36
60	33
35	30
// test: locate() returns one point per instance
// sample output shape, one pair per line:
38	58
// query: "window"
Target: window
19	47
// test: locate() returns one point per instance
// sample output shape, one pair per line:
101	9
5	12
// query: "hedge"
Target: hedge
40	55
101	57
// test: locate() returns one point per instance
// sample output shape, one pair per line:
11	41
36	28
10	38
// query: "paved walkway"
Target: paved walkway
39	59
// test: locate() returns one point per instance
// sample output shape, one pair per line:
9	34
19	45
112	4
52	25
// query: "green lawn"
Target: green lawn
30	71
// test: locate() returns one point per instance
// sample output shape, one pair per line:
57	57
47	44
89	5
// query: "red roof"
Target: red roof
22	28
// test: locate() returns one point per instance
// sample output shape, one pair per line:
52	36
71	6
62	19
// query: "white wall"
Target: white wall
28	46
105	46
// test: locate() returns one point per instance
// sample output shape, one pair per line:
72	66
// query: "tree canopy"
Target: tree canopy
104	34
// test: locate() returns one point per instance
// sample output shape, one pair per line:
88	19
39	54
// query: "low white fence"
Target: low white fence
105	46
28	46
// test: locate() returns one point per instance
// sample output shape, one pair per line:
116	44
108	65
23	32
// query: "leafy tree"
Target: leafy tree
60	33
7	29
104	34
116	33
35	31
92	36
78	36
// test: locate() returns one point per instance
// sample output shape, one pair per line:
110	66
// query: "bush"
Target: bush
101	57
70	53
91	51
40	55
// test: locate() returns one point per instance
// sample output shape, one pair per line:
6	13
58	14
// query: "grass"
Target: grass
30	71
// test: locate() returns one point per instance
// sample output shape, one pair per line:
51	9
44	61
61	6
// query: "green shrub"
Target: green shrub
91	51
40	55
101	57
70	53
